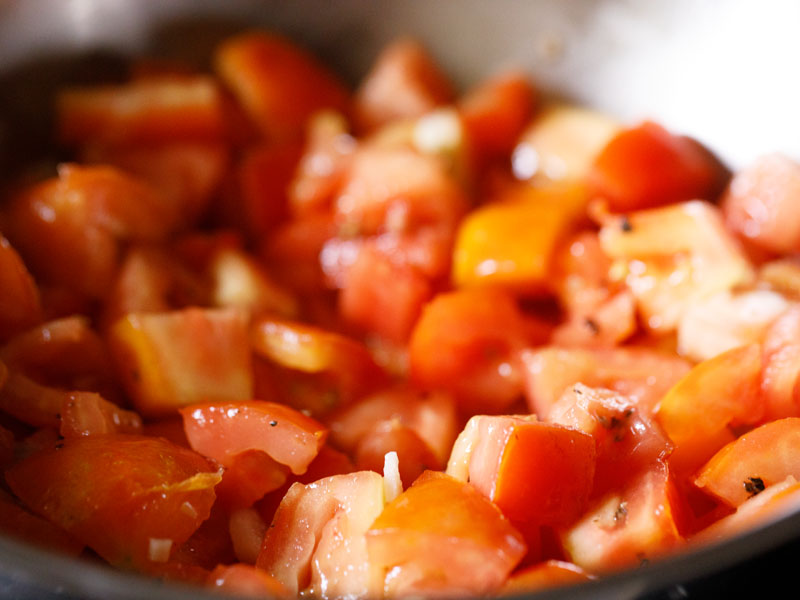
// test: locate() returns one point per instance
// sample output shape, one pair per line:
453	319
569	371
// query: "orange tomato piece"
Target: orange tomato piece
534	472
278	84
648	166
495	113
512	241
466	343
781	367
759	204
20	303
148	110
441	535
177	358
753	462
548	574
403	83
247	581
248	477
17	522
87	413
628	527
131	499
316	540
699	410
223	430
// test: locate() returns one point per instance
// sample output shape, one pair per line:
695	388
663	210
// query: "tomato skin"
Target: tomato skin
17	522
278	84
441	535
760	204
20	303
224	430
547	574
404	83
534	472
87	413
117	492
781	367
648	166
761	457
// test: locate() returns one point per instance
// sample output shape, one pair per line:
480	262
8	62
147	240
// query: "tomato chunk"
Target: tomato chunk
131	499
174	359
441	536
223	430
781	367
87	413
20	304
648	166
548	574
246	580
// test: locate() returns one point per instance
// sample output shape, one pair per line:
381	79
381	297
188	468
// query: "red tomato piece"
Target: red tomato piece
431	416
628	441
87	413
148	110
17	522
174	359
496	112
131	499
466	342
626	528
279	84
760	204
403	83
534	472
246	580
648	166
544	575
20	304
248	477
208	546
441	536
223	430
753	462
316	540
383	297
716	394
781	367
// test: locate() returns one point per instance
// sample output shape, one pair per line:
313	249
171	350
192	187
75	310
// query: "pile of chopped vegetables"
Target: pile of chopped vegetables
266	334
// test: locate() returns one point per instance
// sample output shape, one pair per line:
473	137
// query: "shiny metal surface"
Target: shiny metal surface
724	71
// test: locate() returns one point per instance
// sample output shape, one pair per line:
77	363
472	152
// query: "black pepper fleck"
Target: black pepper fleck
754	485
625	224
273	423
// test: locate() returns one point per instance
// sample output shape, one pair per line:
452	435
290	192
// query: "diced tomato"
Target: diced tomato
148	110
562	143
87	413
383	297
209	545
431	416
279	84
126	497
781	367
776	502
628	441
17	522
248	477
643	374
31	402
781	275
495	112
671	257
441	536
466	342
223	430
716	394
20	304
759	204
648	166
627	528
403	83
534	472
316	541
545	575
326	157
170	429
756	460
247	528
174	359
512	241
414	455
309	349
246	580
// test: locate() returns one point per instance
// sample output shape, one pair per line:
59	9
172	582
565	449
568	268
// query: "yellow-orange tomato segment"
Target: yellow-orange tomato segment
718	393
174	359
756	460
441	535
225	429
131	499
512	241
